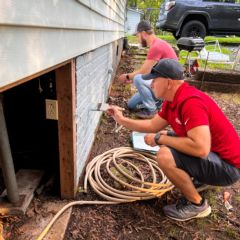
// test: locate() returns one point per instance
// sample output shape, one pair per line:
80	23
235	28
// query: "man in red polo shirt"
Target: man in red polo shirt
158	49
205	145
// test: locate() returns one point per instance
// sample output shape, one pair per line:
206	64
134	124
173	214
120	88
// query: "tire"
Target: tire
194	28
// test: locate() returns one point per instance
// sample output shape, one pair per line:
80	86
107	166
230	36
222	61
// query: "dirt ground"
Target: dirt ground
143	220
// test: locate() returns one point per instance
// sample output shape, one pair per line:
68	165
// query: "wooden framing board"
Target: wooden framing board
66	84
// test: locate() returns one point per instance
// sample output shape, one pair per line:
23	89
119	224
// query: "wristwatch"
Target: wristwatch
156	138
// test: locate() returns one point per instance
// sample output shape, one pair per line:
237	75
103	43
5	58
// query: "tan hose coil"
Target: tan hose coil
140	190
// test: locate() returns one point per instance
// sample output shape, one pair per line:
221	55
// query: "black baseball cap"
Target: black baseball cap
166	68
143	26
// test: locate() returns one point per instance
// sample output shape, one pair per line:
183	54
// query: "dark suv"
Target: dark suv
198	18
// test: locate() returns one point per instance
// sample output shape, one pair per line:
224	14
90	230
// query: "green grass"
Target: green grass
218	66
224	40
168	38
224	50
172	40
132	39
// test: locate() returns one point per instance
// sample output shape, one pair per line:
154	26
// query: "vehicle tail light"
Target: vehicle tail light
170	5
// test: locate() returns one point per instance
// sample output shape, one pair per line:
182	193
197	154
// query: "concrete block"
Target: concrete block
27	180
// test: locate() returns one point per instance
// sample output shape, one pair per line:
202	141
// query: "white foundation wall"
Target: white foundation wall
94	72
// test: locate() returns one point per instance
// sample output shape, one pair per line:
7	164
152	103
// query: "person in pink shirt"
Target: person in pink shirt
204	145
158	49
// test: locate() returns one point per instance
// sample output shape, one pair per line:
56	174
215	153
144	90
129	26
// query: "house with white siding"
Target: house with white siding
133	18
57	58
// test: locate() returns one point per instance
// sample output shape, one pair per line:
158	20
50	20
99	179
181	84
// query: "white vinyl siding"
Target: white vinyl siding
36	35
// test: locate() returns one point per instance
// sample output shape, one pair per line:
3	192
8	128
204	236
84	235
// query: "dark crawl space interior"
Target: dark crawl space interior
33	138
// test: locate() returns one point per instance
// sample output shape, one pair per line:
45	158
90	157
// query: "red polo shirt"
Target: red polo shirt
191	108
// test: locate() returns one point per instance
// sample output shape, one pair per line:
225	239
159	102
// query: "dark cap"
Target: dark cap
143	26
166	68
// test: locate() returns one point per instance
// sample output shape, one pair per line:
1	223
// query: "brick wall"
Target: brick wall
94	73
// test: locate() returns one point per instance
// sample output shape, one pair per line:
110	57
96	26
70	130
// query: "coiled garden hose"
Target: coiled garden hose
117	163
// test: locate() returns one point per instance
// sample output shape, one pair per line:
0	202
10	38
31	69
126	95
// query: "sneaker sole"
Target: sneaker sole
203	214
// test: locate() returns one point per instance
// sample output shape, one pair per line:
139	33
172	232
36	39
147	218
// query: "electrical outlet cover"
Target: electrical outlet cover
51	109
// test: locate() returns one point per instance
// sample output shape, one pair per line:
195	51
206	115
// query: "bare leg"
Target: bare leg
177	176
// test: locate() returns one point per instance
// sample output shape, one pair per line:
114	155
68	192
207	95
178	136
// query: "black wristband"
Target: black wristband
127	77
171	133
156	138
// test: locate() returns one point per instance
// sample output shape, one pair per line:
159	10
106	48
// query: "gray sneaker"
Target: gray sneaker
185	210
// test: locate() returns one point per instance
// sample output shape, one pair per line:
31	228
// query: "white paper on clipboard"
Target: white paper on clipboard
139	144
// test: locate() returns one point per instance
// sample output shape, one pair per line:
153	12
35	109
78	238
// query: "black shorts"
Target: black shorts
212	171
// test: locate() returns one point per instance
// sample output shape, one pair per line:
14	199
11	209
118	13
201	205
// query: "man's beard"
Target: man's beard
143	42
